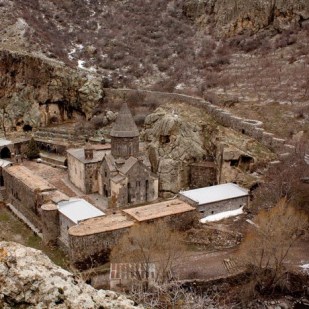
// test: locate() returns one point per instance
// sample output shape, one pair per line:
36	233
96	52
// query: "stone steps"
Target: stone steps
63	137
231	265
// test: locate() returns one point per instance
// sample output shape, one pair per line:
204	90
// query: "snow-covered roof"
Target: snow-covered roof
78	209
4	163
4	142
216	193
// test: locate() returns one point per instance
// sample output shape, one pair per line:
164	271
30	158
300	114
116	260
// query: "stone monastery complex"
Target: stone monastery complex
121	175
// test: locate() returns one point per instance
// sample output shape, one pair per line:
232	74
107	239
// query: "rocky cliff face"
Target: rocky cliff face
28	279
28	81
173	144
177	136
230	17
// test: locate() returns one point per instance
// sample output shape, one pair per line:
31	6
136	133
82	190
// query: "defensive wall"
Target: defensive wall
250	127
91	240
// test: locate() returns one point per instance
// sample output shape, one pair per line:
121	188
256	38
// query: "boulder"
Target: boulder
28	279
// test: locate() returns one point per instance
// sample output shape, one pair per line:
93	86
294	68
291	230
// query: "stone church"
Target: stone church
121	174
125	175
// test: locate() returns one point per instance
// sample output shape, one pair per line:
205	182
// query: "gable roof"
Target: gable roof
215	193
110	162
124	125
79	154
129	163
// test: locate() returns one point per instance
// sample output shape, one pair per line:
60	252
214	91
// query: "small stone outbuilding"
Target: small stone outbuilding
83	167
216	199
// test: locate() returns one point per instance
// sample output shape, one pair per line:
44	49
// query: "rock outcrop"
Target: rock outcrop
28	82
173	144
231	17
177	137
28	279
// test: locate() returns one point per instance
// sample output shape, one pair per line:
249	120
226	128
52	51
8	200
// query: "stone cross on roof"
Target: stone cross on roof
124	125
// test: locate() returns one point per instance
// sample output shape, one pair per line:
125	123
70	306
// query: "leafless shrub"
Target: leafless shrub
211	97
268	243
285	180
99	121
171	295
139	119
143	245
285	39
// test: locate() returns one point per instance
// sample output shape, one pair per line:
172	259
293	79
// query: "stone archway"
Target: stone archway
5	153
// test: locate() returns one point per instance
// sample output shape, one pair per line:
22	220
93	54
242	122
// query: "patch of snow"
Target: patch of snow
81	64
222	215
305	268
252	223
92	69
180	86
71	52
80	46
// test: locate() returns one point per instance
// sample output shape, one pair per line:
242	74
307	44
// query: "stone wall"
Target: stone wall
250	127
91	177
64	225
216	207
85	249
50	223
76	172
23	198
183	221
124	147
96	247
202	174
231	204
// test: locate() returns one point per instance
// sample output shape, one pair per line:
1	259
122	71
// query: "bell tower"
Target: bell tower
124	135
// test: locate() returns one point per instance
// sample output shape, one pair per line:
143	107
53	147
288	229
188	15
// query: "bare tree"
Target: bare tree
285	180
147	245
268	243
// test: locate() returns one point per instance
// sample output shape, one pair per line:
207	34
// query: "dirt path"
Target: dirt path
208	265
204	265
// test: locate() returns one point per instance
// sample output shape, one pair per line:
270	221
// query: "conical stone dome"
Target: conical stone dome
124	125
124	135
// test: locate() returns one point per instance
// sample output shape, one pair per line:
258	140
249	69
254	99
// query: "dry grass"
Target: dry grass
12	229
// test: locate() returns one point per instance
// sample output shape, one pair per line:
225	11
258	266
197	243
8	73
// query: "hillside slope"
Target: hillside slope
247	54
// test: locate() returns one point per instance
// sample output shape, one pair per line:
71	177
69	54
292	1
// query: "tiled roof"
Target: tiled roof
129	163
101	225
30	179
158	210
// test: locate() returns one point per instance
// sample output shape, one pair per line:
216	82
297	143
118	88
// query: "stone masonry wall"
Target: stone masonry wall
22	198
202	176
231	204
98	245
216	207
